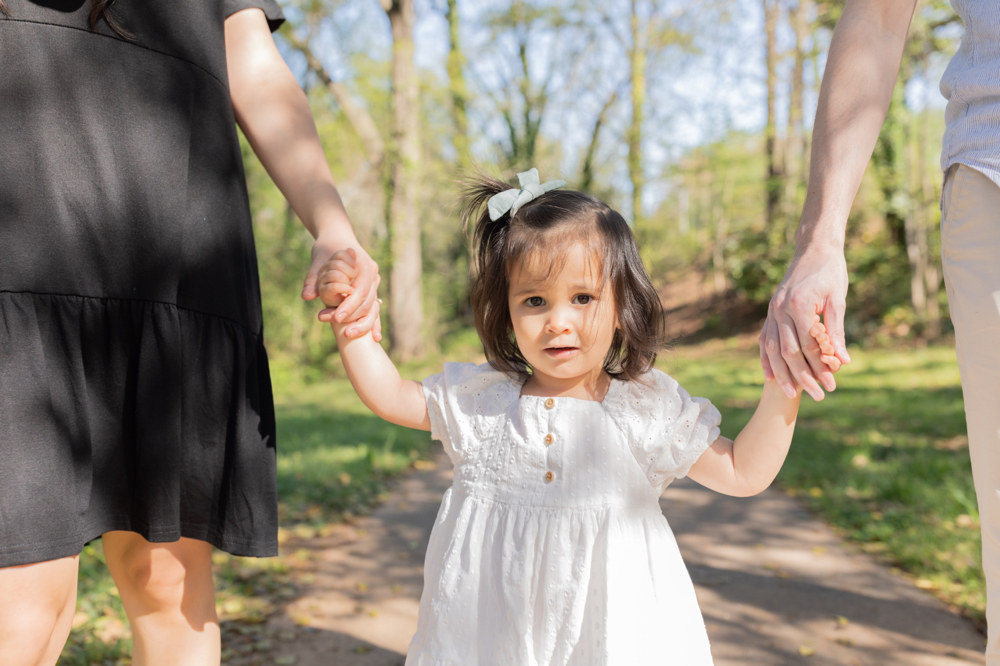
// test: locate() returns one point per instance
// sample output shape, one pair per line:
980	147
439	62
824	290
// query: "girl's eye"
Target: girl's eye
583	299
535	301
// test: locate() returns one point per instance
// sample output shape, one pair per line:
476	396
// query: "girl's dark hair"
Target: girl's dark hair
99	9
500	245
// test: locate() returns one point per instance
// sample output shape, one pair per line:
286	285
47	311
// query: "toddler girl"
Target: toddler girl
550	546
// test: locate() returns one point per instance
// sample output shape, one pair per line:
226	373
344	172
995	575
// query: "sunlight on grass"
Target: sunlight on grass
884	459
100	634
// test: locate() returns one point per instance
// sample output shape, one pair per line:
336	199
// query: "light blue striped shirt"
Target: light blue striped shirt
971	84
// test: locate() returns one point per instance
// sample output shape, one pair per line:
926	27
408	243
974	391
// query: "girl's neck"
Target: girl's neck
592	386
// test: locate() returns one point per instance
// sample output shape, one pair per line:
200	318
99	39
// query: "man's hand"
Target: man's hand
815	284
861	69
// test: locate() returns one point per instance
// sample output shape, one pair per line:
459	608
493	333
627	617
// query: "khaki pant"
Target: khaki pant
970	244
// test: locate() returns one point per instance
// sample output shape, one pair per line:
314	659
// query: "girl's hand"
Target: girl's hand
335	278
826	349
340	282
354	299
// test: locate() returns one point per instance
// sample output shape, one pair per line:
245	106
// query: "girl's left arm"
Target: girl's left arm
274	114
749	464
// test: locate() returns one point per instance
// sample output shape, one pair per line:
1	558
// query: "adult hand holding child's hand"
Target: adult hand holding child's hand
342	280
816	283
357	303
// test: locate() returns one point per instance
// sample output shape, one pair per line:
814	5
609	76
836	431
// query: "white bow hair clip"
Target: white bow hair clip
512	200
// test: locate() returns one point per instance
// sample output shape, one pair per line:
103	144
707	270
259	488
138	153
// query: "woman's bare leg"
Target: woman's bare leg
169	597
37	602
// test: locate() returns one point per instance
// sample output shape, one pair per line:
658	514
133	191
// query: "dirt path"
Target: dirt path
775	585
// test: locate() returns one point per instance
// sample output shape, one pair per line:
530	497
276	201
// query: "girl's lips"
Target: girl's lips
561	352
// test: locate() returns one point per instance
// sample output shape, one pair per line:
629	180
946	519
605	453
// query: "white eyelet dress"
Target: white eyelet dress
550	547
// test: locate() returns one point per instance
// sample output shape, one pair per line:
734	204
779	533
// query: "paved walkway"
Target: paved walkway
776	587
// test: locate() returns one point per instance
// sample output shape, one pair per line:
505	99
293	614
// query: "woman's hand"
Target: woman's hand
346	281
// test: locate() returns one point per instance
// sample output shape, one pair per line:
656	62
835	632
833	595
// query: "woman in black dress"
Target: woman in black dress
135	403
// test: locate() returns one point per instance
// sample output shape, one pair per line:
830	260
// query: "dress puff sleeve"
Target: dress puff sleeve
275	17
667	429
465	404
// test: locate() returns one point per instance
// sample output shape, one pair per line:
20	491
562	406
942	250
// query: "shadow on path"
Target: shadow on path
776	587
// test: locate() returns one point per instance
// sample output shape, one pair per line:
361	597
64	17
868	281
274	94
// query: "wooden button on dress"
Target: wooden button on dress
550	403
549	476
549	439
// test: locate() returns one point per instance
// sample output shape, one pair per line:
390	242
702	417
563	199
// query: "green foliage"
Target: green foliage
336	457
884	458
719	183
758	262
539	60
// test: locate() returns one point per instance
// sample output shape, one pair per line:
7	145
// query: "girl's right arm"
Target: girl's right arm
369	368
378	383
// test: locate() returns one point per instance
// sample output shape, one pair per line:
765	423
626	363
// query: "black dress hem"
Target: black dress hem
134	415
70	546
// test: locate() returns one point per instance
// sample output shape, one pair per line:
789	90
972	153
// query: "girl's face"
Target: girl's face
564	322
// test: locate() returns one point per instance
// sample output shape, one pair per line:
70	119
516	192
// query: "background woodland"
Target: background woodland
692	118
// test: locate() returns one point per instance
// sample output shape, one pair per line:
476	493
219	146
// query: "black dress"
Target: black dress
134	387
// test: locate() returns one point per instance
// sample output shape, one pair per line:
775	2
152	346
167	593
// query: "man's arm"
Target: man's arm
861	71
275	116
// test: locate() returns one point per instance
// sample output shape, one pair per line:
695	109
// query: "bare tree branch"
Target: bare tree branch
356	114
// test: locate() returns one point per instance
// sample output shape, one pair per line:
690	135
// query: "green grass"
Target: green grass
884	459
335	457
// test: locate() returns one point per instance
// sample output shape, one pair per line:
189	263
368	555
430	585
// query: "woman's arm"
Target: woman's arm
275	116
749	464
861	71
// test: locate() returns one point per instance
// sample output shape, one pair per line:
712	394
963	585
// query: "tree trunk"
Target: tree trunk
406	302
795	142
916	251
459	91
773	183
683	211
587	172
637	62
534	105
722	231
356	114
927	202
